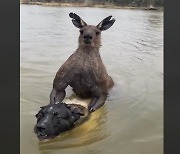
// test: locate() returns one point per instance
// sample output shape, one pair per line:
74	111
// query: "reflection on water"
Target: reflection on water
131	121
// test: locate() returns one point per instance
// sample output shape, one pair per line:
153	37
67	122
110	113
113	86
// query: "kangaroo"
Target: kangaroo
84	70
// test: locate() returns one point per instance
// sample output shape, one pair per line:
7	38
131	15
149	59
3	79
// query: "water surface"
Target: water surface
131	121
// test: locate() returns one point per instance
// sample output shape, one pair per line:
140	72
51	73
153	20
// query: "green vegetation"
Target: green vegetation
131	3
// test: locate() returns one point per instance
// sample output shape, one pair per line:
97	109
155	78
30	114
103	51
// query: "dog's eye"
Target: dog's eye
55	113
59	117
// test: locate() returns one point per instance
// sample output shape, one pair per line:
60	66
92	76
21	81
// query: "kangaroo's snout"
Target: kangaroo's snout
87	37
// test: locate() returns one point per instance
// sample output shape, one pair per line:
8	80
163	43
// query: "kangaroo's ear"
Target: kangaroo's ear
77	21
106	23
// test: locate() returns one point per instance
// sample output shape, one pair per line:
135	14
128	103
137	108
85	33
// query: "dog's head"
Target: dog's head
54	119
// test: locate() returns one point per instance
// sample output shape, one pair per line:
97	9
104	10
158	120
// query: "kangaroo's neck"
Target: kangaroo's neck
87	49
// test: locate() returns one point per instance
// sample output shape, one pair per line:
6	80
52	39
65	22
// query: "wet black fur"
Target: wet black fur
54	119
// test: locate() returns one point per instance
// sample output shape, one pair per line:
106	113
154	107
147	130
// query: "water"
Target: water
131	121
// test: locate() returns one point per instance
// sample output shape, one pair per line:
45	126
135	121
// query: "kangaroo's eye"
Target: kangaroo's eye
81	31
97	33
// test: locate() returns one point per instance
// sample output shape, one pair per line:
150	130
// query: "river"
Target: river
131	121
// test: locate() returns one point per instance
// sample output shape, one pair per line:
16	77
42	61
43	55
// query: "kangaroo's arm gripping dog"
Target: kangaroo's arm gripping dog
84	70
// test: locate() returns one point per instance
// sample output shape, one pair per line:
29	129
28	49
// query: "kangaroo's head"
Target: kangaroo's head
91	35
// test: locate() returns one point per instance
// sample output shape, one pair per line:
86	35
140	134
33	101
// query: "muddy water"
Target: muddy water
131	121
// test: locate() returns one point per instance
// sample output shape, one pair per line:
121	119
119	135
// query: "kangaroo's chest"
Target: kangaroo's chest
84	73
83	78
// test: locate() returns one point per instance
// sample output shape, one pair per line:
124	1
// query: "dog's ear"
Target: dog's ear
41	108
77	21
106	23
76	109
38	114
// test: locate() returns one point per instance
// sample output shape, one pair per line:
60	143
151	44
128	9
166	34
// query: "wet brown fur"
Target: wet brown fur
84	71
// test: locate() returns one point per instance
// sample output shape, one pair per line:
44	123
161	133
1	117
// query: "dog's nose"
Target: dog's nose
87	36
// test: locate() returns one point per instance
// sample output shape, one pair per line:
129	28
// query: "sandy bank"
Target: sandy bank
83	5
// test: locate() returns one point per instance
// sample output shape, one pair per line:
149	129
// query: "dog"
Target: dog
53	119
